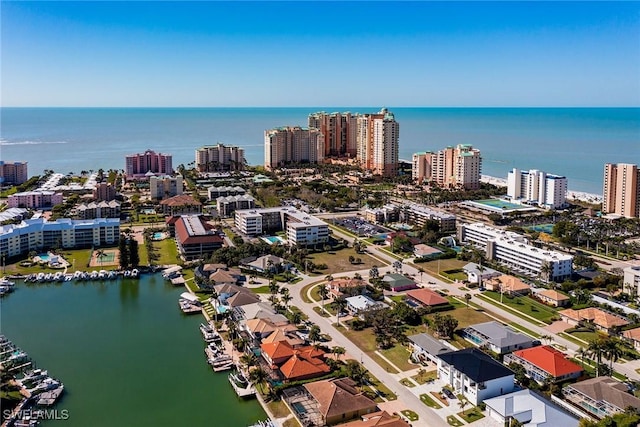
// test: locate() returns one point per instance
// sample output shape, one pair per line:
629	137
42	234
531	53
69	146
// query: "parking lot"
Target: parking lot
360	227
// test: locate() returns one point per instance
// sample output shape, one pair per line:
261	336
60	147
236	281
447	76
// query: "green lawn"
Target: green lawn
399	356
471	415
467	316
338	261
521	306
366	341
423	377
383	389
411	416
407	382
278	408
261	289
167	250
81	257
453	421
455	274
428	400
586	336
431	267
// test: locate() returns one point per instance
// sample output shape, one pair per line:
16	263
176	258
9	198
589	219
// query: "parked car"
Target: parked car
448	393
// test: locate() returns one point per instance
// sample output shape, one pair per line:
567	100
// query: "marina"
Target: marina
128	329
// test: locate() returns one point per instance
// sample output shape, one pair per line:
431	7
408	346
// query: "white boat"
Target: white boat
40	277
57	277
111	275
78	275
241	384
127	273
48	277
6	282
93	275
135	273
102	274
189	307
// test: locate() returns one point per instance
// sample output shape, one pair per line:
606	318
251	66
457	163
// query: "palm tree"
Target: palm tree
581	353
328	278
467	298
462	402
100	254
324	293
612	351
285	296
248	359
421	271
374	273
338	351
258	375
547	338
545	271
596	349
314	334
340	303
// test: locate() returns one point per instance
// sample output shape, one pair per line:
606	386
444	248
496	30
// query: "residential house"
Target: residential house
356	305
544	363
497	337
426	348
221	276
529	409
475	374
509	285
339	400
425	298
265	264
425	251
399	282
231	296
342	286
602	320
633	336
378	419
553	298
601	396
477	273
294	364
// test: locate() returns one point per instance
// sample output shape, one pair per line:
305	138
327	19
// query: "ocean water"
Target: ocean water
575	142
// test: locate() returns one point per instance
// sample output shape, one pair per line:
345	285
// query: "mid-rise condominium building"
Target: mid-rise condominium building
165	186
13	173
302	229
141	165
538	188
220	158
631	280
38	234
621	190
104	192
453	167
292	144
514	251
35	199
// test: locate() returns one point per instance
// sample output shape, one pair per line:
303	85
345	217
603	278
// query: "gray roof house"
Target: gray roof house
425	347
497	337
473	272
528	408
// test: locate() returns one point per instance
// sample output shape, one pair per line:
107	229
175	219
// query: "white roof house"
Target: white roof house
360	303
530	409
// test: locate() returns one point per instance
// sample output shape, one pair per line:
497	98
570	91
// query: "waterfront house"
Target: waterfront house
497	337
378	419
509	285
633	336
221	276
426	348
258	310
339	400
181	205
529	409
553	298
399	282
474	374
600	319
426	298
294	363
342	286
425	251
601	396
545	363
477	273
360	303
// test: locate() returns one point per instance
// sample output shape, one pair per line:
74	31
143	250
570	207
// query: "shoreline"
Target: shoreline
582	196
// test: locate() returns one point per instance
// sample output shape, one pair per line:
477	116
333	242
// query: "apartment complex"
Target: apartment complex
378	137
514	250
38	234
302	229
13	173
415	214
621	190
149	163
165	186
631	280
339	132
34	199
538	188
102	209
228	205
292	144
104	192
452	167
195	238
220	158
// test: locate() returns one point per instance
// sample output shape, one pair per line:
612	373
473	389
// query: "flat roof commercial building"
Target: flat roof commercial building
514	250
301	228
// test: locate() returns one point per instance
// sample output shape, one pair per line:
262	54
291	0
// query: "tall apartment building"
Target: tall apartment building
292	144
104	192
514	251
621	190
220	158
339	131
148	163
452	167
302	229
535	187
13	173
163	187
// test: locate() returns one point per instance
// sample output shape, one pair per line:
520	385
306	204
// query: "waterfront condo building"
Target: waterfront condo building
35	199
220	158
538	188
195	238
339	132
13	173
39	234
163	187
302	229
292	144
621	190
452	167
514	251
377	139
141	165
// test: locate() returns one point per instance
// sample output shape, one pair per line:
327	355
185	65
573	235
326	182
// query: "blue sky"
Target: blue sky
320	53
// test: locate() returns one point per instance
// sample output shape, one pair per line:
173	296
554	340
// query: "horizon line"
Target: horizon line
325	106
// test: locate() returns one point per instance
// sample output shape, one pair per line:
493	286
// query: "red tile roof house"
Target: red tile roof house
339	287
295	363
426	298
633	336
544	362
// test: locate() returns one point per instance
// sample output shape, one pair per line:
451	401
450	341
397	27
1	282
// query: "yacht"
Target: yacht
48	277
135	273
241	384
40	277
102	274
93	275
208	333
127	273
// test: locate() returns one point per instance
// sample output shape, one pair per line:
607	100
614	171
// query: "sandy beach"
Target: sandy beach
571	195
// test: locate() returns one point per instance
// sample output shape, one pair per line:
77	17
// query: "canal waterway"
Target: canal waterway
125	352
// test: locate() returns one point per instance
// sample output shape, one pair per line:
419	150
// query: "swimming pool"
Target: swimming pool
543	228
273	239
44	257
499	204
158	236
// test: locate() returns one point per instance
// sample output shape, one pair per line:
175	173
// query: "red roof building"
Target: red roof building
544	362
295	363
195	238
426	298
